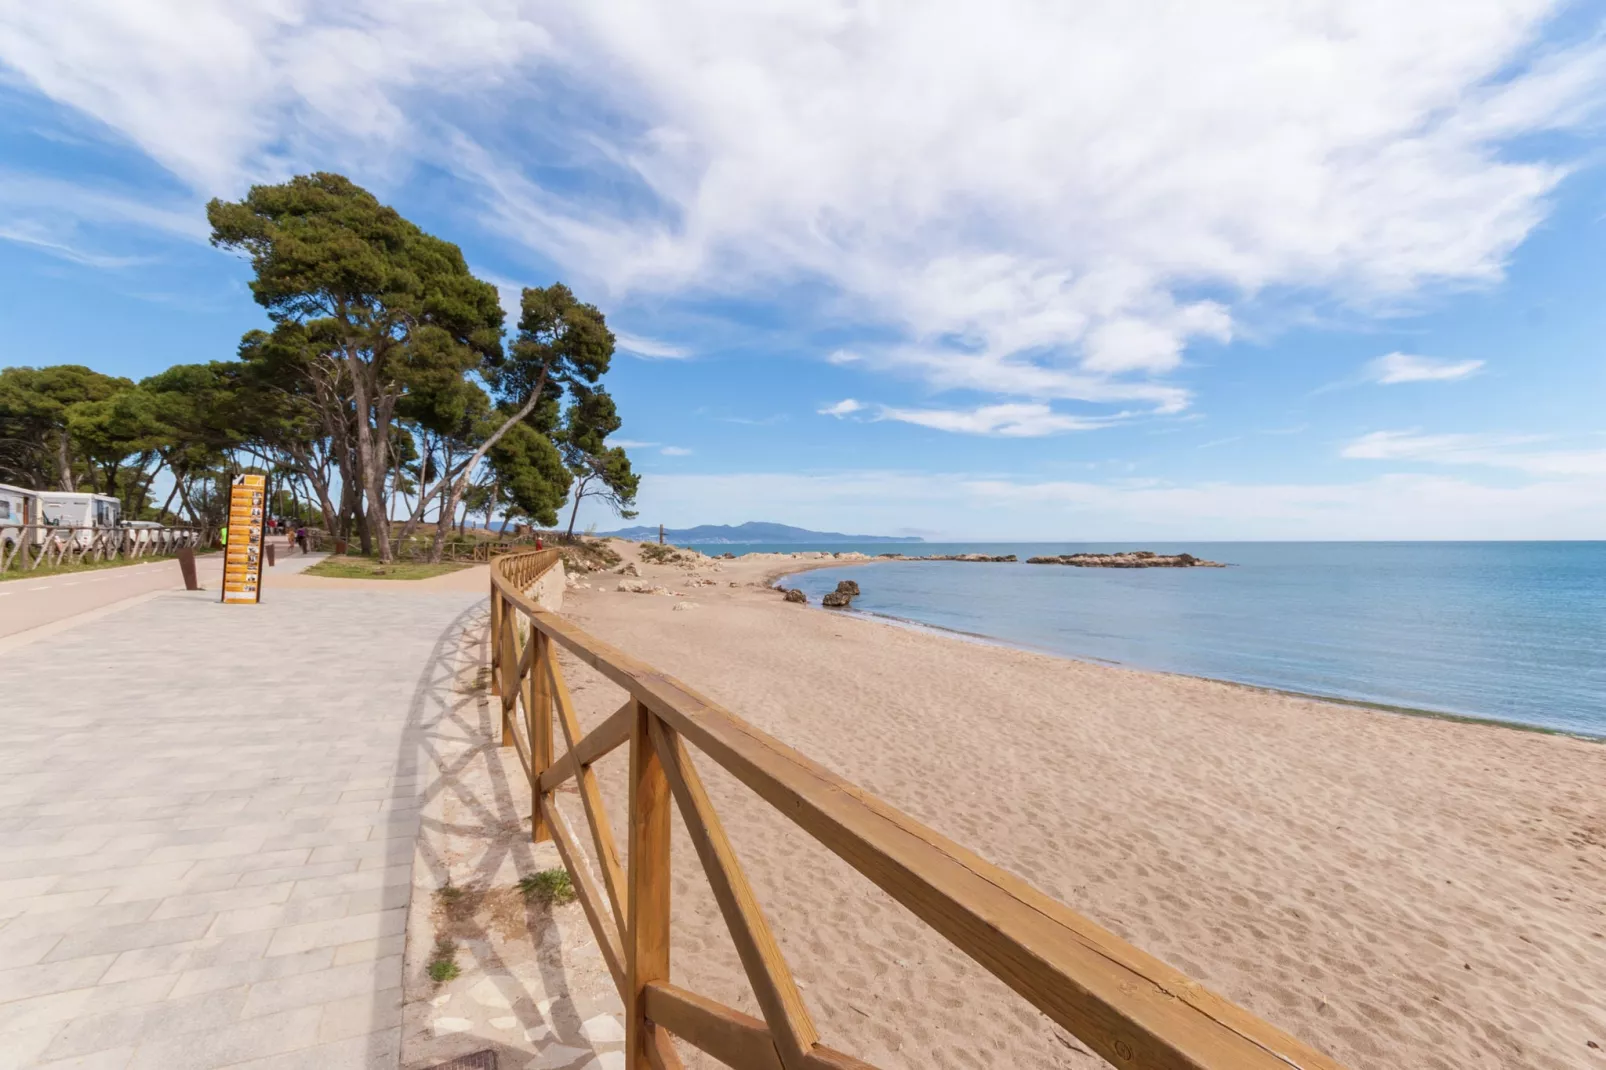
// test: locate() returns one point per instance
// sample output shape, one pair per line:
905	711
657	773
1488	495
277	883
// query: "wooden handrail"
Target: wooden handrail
1126	1005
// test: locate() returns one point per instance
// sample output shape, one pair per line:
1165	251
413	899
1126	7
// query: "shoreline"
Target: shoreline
772	580
1395	890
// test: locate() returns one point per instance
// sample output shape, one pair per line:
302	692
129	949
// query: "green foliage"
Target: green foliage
530	472
443	962
660	554
380	378
598	470
548	886
37	410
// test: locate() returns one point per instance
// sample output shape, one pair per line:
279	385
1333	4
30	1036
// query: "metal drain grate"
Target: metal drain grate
480	1060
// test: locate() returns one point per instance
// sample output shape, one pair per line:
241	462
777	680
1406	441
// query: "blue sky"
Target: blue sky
1115	272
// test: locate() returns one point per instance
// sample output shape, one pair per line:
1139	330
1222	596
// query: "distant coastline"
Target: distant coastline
753	533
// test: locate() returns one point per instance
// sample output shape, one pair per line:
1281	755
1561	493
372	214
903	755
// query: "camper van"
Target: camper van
75	509
18	509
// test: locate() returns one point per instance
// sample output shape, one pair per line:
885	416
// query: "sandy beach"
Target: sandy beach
1397	891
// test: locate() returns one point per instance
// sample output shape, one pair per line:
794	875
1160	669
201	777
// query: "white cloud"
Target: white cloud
1039	201
1514	452
1408	368
844	407
1049	190
974	506
224	91
650	348
675	451
1021	420
633	444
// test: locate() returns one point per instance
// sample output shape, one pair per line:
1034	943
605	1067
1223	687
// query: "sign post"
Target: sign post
242	558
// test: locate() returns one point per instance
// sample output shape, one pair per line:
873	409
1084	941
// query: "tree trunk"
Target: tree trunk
371	463
485	447
579	495
162	516
64	462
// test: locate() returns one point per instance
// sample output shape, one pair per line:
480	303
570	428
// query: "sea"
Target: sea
1506	631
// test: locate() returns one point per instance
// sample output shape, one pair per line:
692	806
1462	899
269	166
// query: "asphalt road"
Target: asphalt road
33	603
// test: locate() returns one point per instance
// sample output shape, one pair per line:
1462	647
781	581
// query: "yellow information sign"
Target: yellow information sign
242	561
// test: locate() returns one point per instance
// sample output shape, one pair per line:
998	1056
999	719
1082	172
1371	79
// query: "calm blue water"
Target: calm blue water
1514	631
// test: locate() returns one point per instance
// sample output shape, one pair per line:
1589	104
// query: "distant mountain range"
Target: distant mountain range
752	531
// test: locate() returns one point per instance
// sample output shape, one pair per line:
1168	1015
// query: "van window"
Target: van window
5	509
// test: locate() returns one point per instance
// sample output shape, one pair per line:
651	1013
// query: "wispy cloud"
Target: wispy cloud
67	252
1024	420
1019	202
650	348
1514	452
845	407
1409	368
675	451
633	444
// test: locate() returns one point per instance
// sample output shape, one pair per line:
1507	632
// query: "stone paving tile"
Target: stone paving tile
205	857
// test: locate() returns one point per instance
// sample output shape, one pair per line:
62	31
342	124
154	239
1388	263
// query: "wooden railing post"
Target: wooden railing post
538	728
647	943
510	673
496	639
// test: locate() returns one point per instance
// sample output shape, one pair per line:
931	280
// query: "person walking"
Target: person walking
301	538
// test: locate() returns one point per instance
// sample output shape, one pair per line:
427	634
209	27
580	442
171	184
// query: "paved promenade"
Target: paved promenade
207	817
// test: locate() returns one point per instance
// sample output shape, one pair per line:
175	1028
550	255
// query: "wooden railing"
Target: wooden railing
29	547
1128	1006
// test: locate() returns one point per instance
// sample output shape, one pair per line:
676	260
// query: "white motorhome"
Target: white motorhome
76	509
19	507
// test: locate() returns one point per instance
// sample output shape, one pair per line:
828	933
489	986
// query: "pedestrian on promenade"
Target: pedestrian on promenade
301	538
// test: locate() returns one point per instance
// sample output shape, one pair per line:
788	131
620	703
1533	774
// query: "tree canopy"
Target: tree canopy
382	393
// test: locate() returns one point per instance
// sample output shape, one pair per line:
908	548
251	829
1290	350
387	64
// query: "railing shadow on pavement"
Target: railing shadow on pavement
455	737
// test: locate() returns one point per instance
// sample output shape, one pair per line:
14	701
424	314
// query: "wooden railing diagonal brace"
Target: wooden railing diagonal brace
585	889
607	853
767	971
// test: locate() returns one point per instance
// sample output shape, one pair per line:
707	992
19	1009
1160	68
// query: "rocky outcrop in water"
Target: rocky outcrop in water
795	595
848	587
949	557
837	600
1127	559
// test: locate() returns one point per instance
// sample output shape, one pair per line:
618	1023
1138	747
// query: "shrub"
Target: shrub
548	886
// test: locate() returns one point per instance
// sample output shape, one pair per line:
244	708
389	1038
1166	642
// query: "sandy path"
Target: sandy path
1400	892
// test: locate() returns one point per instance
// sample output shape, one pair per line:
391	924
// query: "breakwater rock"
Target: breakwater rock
842	597
948	557
1127	559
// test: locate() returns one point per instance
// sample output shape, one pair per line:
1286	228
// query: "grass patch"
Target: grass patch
353	567
443	963
548	886
16	572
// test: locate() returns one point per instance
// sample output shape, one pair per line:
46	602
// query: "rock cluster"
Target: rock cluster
842	597
1127	559
642	587
951	557
795	595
